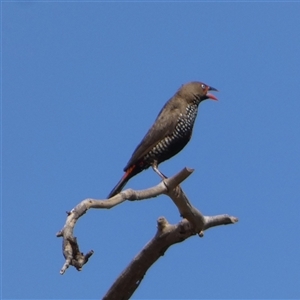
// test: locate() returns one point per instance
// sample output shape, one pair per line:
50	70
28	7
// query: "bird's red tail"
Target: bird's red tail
118	188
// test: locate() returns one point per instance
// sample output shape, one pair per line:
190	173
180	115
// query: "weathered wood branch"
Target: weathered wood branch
194	222
166	236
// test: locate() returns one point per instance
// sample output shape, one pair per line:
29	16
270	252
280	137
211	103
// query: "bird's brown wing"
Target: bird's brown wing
163	126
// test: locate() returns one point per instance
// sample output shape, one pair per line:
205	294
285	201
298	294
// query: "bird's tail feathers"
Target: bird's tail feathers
120	185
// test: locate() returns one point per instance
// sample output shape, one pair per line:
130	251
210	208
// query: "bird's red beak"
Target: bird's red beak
210	96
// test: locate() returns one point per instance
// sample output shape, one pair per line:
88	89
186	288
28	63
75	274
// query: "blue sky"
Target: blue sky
82	83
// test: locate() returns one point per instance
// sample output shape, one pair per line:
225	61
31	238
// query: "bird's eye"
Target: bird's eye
203	86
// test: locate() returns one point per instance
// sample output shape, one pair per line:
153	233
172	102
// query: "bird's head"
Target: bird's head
196	90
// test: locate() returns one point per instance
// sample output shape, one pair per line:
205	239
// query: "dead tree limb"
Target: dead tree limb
194	222
166	236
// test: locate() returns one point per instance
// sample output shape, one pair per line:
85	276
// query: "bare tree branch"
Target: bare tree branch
71	250
194	222
166	236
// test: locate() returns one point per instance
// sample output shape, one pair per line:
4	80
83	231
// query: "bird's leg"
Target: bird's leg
155	168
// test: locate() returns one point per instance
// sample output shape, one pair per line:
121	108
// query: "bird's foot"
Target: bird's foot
160	174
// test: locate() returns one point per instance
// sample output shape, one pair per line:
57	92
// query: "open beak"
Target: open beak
210	96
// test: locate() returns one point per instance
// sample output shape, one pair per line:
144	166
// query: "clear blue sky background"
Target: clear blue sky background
81	85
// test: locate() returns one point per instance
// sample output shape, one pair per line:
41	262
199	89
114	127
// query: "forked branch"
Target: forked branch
194	222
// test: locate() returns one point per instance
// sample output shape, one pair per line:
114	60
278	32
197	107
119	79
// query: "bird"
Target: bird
169	134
